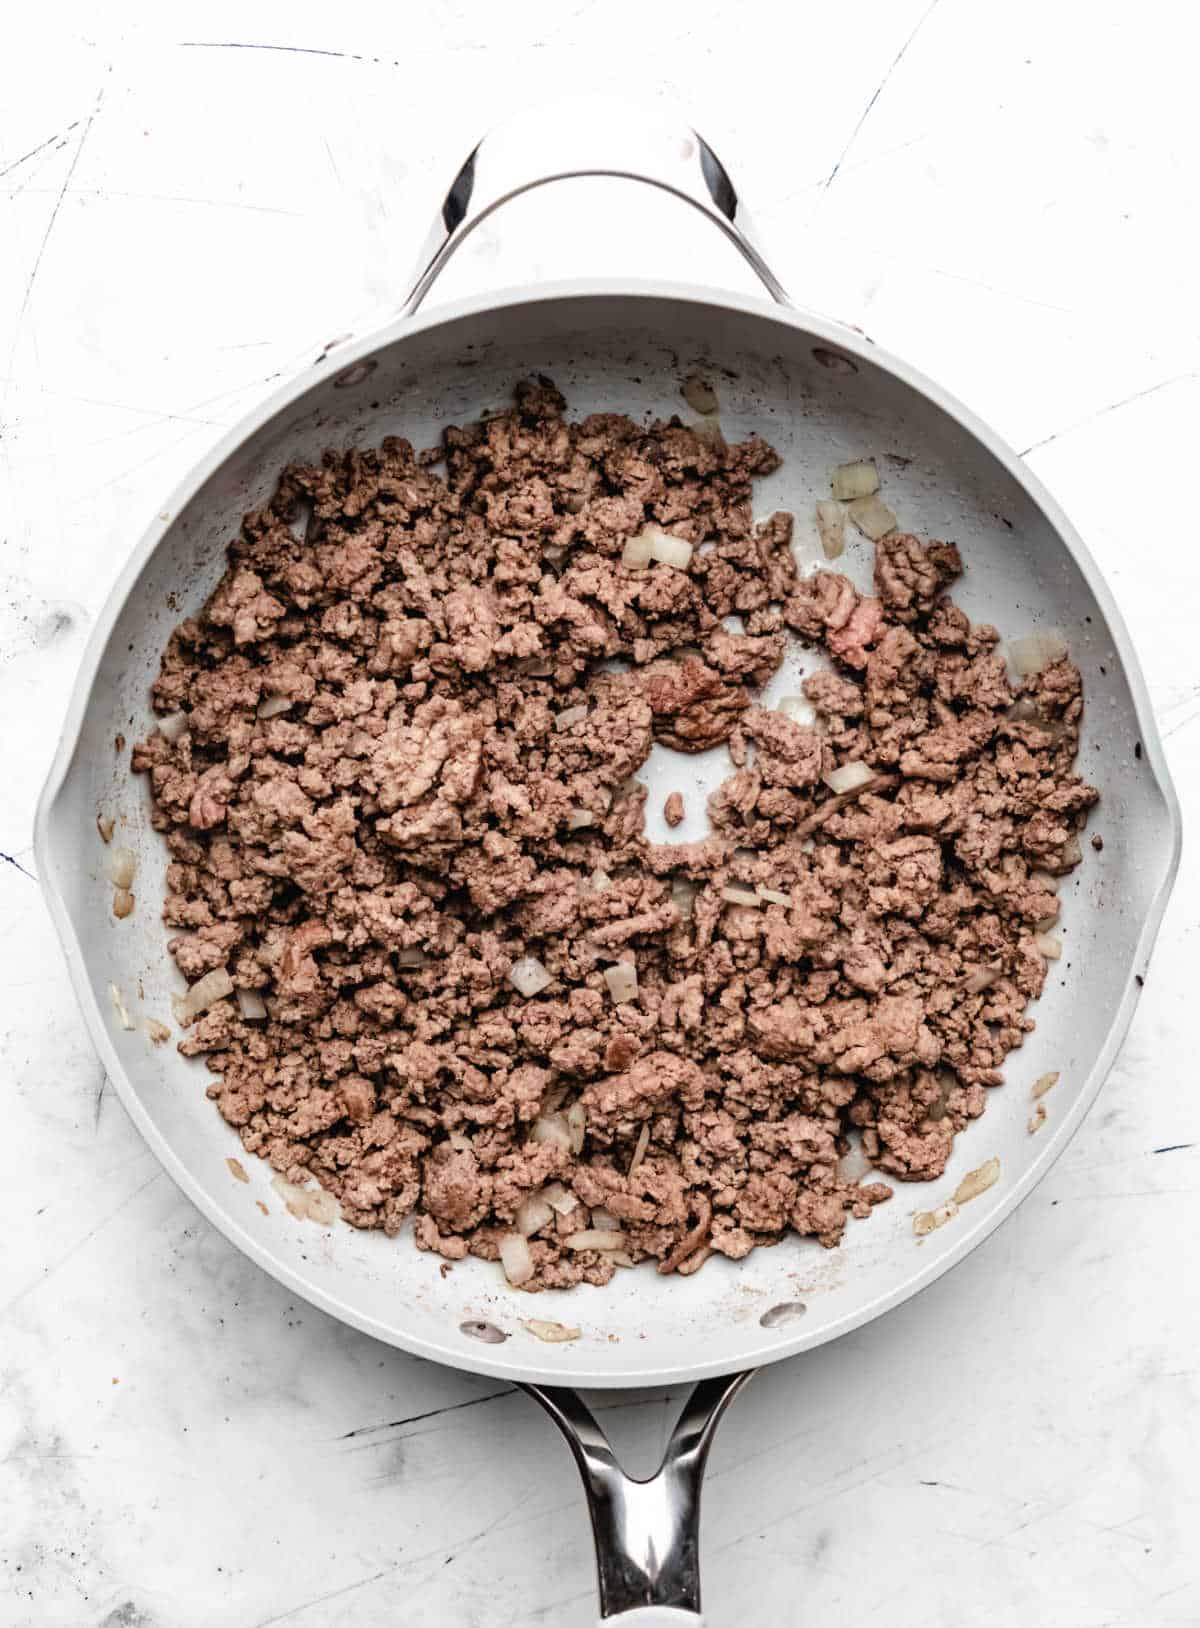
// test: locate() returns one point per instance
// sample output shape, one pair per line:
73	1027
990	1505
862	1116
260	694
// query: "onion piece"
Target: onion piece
459	1142
710	432
635	556
979	979
740	895
604	1220
699	395
120	1008
622	981
600	880
272	705
683	896
577	1126
672	551
1048	946
854	480
569	716
579	818
105	824
533	1215
205	992
528	976
172	725
591	1239
534	666
770	895
799	709
1044	1083
551	1128
872	517
515	1259
977	1181
158	1032
414	956
121	865
620	1257
831	528
123	903
559	1199
855	1164
552	1333
251	1004
1036	650
639	1151
849	777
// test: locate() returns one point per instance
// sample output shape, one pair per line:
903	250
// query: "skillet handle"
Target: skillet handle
588	136
647	1533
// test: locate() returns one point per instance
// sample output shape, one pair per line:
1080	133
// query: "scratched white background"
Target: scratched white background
194	198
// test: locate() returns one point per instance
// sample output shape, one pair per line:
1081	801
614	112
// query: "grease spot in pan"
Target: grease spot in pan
356	373
833	360
477	1329
787	1311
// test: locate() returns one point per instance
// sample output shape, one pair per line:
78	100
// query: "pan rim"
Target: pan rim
762	1346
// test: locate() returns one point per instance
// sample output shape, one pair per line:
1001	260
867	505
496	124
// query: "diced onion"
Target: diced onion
121	865
535	666
620	1257
577	1126
1048	945
253	1007
591	1239
798	708
849	777
302	517
158	1032
1024	710
122	903
578	818
459	1142
683	896
770	895
412	957
853	1166
854	480
205	992
635	556
740	895
639	1151
551	1128
1072	853
528	976
552	1333
272	705
569	716
1036	650
872	517
977	1181
515	1259
831	528
120	1008
559	1199
105	824
979	979
1044	1083
672	551
699	395
710	432
622	981
172	725
600	880
533	1215
604	1221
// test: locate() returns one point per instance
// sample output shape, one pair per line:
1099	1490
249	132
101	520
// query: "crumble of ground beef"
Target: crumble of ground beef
472	679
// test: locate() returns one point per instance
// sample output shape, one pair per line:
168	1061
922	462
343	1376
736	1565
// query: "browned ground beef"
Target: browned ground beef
376	857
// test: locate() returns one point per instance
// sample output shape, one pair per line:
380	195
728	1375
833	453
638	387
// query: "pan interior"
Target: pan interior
627	352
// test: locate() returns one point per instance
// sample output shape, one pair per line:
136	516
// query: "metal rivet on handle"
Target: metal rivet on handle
487	1332
833	360
355	374
787	1311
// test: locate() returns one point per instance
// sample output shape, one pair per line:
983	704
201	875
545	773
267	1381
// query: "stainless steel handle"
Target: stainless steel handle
647	1533
590	136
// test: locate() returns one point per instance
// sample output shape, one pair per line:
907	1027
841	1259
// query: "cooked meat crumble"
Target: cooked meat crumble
404	779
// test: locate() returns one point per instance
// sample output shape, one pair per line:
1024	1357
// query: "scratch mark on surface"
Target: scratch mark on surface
177	198
323	1599
100	1096
75	1248
415	1418
1113	406
246	45
866	112
1174	1147
62	192
17	866
40	148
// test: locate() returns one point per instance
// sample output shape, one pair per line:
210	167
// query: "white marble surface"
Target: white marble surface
1006	195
